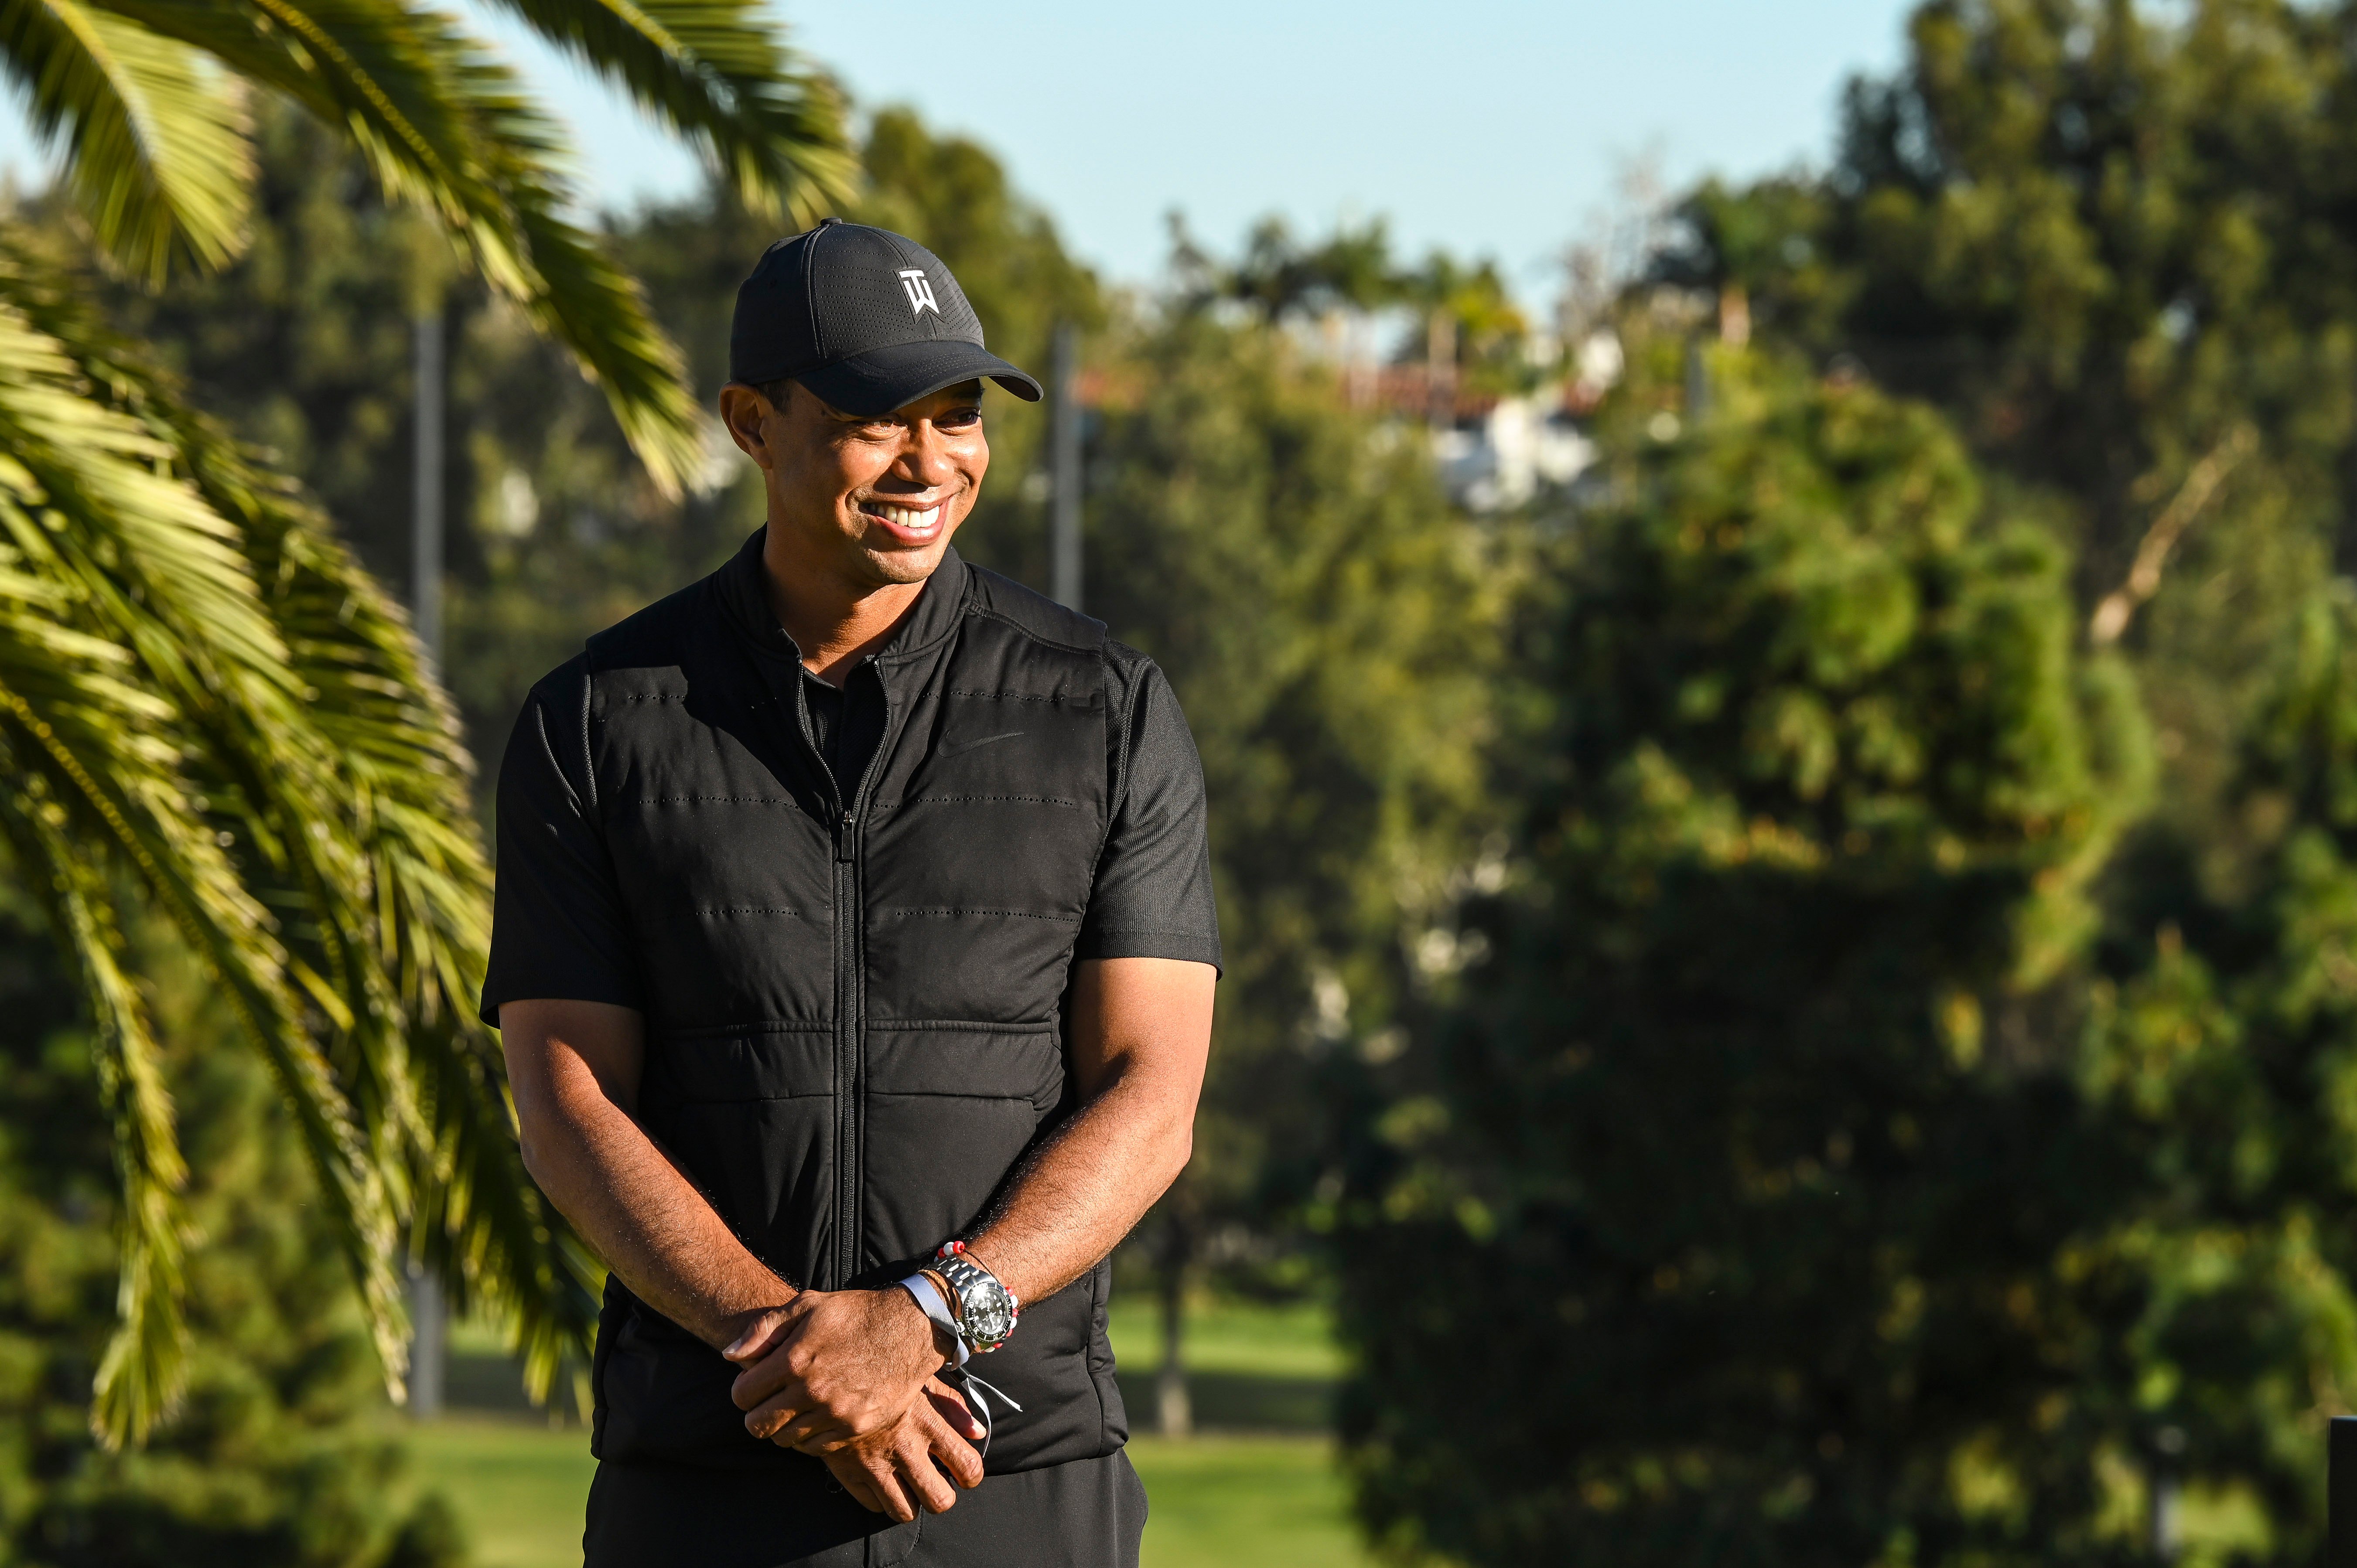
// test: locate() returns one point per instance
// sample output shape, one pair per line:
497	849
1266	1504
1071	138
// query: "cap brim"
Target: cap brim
882	379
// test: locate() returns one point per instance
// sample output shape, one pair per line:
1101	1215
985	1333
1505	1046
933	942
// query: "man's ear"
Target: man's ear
741	410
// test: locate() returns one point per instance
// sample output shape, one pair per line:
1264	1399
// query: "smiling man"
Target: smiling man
854	958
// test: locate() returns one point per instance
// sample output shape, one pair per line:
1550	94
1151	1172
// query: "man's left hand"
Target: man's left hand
831	1366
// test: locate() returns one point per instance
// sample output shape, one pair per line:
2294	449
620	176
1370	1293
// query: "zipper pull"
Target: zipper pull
844	834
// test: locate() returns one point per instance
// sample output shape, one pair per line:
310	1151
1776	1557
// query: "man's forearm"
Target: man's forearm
1084	1192
645	1218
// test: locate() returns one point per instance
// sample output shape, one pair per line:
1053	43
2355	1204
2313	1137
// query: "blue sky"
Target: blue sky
1493	127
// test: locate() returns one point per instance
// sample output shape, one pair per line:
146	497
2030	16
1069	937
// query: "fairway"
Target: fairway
517	1486
1245	1502
1268	1497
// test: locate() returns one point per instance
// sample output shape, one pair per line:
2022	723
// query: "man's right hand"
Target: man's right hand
898	1470
833	1365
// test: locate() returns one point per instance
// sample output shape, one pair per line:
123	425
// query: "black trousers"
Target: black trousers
1089	1513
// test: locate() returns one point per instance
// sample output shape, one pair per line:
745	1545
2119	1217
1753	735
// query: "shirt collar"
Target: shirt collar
744	602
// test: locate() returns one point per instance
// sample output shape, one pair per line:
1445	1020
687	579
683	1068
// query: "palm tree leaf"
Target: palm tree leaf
388	893
720	73
141	1375
141	560
474	1212
156	150
445	125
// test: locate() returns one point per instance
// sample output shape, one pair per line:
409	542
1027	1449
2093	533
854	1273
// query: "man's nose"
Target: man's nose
925	458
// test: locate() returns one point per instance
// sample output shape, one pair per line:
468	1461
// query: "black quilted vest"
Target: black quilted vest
854	1019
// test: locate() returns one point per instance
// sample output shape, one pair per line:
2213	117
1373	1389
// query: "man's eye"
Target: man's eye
959	419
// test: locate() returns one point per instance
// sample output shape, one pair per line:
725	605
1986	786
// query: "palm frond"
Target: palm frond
342	769
138	560
204	696
138	1379
154	132
720	73
446	125
472	1210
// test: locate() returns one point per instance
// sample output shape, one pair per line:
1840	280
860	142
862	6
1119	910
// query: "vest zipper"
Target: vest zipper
851	1008
848	1027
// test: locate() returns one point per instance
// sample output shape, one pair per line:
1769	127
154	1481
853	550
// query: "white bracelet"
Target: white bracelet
930	1302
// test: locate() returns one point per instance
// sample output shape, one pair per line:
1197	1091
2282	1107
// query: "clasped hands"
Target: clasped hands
849	1377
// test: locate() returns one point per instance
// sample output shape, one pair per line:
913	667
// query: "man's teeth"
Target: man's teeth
905	517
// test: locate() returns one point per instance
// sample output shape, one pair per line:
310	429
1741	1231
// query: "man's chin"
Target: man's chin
897	563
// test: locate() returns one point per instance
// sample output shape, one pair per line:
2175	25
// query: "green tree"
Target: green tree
1740	1210
2221	1047
1474	331
1327	621
2114	243
202	695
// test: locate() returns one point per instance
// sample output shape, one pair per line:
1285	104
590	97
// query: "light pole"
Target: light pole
428	1359
426	514
1064	459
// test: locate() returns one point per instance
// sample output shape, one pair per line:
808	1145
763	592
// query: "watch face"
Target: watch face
988	1320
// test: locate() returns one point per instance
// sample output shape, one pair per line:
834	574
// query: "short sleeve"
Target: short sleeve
1153	891
558	926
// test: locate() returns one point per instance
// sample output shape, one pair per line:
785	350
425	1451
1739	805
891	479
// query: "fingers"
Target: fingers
943	1444
815	1434
768	1419
758	1337
797	1415
951	1406
792	1416
899	1472
912	1458
776	1372
880	1473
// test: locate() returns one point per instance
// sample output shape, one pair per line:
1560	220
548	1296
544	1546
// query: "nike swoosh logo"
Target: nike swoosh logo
951	748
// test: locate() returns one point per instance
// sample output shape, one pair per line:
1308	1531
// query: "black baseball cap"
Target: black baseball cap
869	319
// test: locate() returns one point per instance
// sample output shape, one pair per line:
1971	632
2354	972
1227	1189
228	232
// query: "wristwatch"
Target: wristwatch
987	1310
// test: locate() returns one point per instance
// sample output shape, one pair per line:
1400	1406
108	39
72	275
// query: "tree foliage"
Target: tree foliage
1471	323
279	1457
150	100
2114	242
1973	1189
1747	1118
1328	622
206	698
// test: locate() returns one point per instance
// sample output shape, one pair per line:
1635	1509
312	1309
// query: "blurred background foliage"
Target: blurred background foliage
279	1455
1901	1110
1794	996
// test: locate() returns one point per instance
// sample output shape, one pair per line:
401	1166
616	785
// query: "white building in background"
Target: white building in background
1493	454
1500	456
1500	459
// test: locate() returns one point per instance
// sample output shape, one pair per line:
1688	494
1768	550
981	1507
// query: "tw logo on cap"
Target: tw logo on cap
920	292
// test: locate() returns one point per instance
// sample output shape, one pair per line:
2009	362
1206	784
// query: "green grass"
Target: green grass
1244	1338
1245	1502
517	1486
1242	1498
